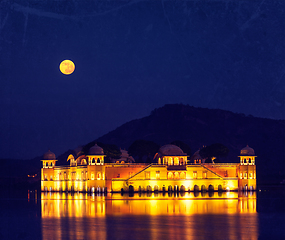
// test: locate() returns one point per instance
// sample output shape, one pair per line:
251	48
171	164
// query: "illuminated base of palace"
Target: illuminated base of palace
150	178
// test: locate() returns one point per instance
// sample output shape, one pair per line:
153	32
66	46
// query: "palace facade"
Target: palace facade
89	173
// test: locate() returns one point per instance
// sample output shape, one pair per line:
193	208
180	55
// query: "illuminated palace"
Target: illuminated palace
89	173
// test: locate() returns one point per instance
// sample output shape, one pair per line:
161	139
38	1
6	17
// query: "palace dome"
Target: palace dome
171	150
96	150
49	156
247	151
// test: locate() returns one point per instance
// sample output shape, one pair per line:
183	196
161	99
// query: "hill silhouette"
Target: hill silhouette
201	126
196	127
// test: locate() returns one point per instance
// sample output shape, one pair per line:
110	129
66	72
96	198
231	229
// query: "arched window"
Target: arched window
98	160
211	188
131	188
182	175
98	176
176	175
203	188
148	188
170	188
249	160
93	160
196	188
170	175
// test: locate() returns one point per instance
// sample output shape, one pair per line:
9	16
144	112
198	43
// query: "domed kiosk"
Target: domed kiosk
95	155
49	159
247	169
247	156
171	155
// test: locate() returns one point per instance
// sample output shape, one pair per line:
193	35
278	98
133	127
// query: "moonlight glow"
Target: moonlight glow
67	67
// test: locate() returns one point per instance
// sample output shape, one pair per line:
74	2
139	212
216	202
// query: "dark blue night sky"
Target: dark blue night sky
132	57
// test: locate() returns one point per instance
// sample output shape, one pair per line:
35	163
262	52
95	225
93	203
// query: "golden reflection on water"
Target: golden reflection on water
89	214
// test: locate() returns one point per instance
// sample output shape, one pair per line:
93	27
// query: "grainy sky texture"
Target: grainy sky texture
131	57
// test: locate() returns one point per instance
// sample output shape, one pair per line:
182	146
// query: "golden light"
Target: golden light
67	67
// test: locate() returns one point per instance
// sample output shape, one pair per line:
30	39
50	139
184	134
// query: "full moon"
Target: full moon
67	67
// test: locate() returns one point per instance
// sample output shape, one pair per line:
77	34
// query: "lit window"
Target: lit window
92	176
245	175
170	175
195	175
182	175
157	174
250	175
176	175
240	176
73	176
205	174
98	176
147	175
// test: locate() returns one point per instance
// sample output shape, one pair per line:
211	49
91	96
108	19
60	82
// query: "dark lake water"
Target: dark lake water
35	215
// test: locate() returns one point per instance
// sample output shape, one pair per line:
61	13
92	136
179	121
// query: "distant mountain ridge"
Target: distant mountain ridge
200	126
196	127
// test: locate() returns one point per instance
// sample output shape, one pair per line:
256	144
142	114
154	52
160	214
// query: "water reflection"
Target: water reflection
84	216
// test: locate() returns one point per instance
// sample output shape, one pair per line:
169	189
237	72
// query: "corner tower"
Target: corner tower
47	171
247	169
